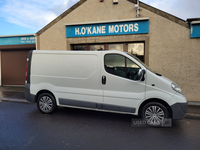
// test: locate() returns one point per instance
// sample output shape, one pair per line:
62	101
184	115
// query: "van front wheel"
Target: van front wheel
46	103
154	113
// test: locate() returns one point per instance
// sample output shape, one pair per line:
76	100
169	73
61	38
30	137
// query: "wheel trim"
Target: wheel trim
45	103
154	115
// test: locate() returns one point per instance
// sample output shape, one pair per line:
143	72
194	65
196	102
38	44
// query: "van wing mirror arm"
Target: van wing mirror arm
143	73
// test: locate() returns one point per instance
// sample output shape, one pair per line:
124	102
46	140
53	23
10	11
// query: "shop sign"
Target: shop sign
17	40
195	29
105	29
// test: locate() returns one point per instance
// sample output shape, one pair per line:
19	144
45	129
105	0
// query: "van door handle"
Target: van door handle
103	80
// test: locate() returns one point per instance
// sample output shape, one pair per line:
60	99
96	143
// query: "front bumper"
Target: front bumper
179	110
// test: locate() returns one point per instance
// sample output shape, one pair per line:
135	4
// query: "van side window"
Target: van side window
132	69
121	66
115	64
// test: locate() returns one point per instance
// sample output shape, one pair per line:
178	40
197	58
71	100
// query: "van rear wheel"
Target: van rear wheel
46	103
154	113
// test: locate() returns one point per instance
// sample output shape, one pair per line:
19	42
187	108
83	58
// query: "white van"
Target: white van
111	81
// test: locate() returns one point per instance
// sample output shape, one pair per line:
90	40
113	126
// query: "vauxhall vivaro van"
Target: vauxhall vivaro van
111	81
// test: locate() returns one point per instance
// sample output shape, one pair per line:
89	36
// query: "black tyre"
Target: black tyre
154	113
46	103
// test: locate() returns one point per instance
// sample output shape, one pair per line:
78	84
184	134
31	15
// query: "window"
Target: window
137	49
96	47
121	66
115	47
79	47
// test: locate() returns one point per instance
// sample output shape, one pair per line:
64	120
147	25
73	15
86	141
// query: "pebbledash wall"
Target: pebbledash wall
171	45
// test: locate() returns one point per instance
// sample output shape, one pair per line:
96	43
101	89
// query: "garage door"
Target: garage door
13	67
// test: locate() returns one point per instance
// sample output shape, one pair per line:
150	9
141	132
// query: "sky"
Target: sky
29	16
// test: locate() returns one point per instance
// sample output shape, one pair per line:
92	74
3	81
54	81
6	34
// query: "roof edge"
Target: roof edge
189	20
111	21
17	35
60	17
163	14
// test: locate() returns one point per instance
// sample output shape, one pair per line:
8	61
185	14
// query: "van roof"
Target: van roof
68	51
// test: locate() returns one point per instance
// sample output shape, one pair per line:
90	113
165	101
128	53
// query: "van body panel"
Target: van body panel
122	92
69	77
177	98
94	105
158	83
158	87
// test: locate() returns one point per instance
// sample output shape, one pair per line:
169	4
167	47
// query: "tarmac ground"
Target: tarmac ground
12	93
16	94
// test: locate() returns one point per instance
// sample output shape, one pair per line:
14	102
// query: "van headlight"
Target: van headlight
176	88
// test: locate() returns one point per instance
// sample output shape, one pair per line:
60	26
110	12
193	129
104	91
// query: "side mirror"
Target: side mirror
140	75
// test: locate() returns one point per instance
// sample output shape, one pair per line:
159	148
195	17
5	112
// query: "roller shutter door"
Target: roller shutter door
13	65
